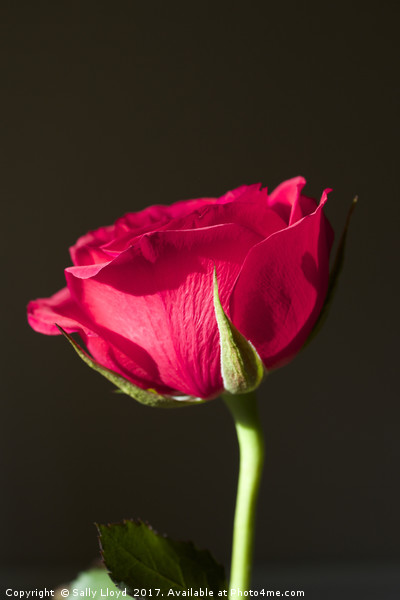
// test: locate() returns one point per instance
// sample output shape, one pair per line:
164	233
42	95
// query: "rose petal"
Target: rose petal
248	210
87	249
160	217
142	372
288	201
44	313
158	296
281	288
253	215
303	206
103	244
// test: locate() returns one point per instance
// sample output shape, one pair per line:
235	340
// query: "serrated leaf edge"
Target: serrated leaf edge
140	522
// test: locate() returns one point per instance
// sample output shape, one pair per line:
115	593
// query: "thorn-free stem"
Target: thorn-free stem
251	447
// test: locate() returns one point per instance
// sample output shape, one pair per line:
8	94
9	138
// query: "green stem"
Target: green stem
251	446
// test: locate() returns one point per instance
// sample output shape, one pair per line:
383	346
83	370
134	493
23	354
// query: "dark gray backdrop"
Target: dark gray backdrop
112	106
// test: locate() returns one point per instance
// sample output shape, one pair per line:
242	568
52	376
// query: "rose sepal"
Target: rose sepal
241	367
147	397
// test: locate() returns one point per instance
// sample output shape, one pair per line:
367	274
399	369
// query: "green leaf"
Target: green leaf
138	557
148	397
96	579
334	275
241	367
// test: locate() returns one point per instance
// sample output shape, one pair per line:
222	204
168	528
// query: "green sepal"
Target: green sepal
241	367
147	397
136	556
334	275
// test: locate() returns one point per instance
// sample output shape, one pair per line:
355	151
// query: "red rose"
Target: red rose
140	293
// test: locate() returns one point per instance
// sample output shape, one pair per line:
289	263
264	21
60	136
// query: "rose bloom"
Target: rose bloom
140	293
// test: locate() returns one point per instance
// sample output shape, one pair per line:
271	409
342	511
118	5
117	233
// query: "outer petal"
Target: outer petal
44	313
143	371
147	397
288	201
281	288
158	296
60	309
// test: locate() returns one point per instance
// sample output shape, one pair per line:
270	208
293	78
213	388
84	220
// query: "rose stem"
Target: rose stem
251	447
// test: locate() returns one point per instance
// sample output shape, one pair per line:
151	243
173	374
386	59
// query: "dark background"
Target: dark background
108	107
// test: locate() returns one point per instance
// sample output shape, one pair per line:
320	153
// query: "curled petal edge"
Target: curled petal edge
146	397
334	275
